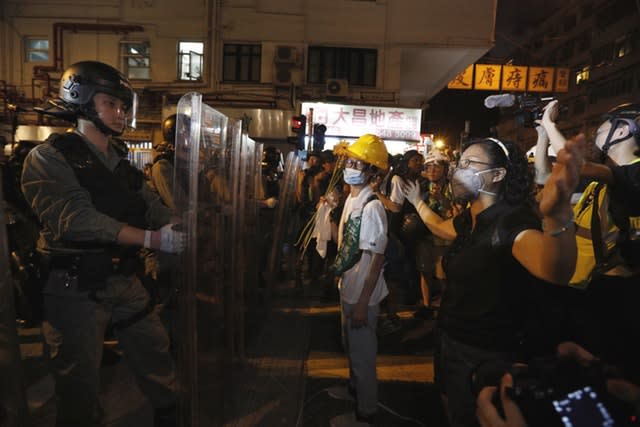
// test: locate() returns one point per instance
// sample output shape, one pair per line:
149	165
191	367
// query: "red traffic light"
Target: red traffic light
298	124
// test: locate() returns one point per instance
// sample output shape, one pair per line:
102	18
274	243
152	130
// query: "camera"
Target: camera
530	109
554	392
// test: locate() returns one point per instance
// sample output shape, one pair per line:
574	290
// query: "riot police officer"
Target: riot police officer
162	169
96	212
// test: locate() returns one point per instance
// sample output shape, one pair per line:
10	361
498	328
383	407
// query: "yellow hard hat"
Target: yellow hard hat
370	149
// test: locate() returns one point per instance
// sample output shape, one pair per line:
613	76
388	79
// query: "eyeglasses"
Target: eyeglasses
355	164
465	163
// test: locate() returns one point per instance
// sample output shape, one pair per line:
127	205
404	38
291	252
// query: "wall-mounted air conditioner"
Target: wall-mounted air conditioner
285	55
337	87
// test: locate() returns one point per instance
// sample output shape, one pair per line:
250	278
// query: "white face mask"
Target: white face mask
467	184
353	176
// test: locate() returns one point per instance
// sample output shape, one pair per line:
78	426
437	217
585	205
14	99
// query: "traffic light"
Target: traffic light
299	127
318	137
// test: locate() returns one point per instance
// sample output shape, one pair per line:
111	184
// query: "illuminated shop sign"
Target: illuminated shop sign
513	78
356	120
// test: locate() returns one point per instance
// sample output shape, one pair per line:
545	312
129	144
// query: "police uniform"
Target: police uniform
83	198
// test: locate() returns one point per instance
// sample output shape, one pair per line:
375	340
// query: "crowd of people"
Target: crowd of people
510	260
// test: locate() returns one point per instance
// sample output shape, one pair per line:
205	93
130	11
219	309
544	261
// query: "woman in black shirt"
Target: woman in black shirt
499	246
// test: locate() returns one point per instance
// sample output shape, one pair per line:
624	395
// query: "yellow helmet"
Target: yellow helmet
370	149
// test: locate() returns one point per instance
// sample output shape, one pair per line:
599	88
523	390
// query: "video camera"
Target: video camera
555	392
529	107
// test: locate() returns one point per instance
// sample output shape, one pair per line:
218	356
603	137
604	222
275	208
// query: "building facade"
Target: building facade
599	41
255	58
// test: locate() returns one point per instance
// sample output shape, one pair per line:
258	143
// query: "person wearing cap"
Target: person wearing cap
500	252
362	284
429	251
606	320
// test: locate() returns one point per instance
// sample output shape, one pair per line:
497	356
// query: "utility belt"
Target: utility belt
93	269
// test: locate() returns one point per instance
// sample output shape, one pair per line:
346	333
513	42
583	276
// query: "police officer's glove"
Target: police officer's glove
412	192
168	239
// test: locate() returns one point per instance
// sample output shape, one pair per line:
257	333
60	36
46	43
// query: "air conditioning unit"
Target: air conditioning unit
285	55
337	87
282	74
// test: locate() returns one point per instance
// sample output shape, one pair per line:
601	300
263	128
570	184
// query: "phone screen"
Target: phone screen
583	408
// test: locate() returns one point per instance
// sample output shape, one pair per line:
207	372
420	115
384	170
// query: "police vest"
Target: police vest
113	193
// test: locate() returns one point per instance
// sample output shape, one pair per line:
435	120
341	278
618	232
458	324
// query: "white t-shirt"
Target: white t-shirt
373	237
397	195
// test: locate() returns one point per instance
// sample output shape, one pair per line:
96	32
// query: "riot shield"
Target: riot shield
215	195
202	195
286	223
13	406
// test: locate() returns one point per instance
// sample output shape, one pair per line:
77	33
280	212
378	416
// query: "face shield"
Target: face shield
133	110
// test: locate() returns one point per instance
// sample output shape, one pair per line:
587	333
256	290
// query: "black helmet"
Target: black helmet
84	79
628	114
169	129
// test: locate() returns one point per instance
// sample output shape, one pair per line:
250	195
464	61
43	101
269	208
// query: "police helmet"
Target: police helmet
169	129
82	80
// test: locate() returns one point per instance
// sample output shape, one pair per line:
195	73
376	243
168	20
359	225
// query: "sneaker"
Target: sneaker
341	392
348	420
389	325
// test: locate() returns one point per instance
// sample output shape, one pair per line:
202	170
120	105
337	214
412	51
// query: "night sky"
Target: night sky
450	108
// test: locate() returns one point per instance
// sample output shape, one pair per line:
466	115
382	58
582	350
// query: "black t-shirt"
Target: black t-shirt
484	302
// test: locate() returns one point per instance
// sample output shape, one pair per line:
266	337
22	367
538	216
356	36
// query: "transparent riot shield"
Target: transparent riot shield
215	195
203	197
286	223
13	406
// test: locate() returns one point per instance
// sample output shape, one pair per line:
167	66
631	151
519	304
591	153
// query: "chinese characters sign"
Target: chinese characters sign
540	79
356	120
464	80
487	77
562	80
513	78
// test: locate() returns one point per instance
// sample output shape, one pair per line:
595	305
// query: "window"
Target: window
582	75
136	56
241	62
623	47
190	60
37	49
358	66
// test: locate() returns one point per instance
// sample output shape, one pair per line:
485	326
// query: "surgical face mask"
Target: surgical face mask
353	176
467	184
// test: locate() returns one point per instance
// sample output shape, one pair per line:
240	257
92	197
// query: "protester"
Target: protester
499	250
361	245
608	267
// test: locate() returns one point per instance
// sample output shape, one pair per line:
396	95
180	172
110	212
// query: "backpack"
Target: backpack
596	235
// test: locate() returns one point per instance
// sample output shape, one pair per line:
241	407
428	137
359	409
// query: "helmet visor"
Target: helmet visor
131	114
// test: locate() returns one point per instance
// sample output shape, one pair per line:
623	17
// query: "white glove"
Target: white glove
171	240
412	192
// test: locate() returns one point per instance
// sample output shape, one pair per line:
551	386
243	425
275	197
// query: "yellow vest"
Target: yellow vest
583	212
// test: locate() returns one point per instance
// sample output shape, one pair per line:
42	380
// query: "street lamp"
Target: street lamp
439	144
